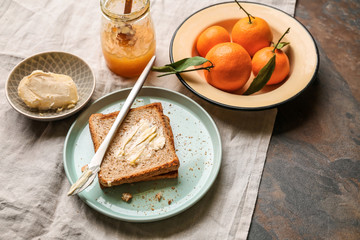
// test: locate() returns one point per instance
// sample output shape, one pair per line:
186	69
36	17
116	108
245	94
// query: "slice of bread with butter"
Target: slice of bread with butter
142	149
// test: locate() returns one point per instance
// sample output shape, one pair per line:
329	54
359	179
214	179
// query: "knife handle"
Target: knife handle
94	166
122	114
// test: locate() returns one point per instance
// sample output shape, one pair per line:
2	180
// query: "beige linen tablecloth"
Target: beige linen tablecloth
33	201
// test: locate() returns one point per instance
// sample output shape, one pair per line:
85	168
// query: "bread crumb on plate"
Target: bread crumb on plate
126	197
83	168
158	196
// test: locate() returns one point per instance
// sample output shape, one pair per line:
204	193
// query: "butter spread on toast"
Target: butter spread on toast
141	140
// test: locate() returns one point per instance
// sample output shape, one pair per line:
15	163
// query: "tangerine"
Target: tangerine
231	66
210	37
282	64
253	33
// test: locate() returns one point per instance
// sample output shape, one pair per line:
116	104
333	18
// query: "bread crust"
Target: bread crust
167	169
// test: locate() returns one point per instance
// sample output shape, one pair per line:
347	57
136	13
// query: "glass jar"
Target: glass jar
127	39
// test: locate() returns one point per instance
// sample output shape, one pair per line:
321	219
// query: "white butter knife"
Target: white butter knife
93	168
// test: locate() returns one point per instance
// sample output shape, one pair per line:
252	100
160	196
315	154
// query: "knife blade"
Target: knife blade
93	168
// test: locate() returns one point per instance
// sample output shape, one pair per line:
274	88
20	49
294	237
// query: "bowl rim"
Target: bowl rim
236	107
60	116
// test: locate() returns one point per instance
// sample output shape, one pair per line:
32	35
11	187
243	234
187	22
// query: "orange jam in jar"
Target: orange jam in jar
127	36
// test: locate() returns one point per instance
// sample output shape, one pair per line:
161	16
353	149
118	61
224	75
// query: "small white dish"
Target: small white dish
56	62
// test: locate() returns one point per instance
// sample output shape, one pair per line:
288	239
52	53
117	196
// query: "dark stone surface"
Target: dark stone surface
311	180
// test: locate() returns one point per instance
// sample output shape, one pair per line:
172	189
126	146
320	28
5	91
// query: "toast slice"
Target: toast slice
141	150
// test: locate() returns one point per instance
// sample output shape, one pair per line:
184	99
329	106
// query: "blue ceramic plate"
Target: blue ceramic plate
198	146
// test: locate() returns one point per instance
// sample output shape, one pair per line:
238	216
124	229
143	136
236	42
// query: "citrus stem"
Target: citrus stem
287	31
248	14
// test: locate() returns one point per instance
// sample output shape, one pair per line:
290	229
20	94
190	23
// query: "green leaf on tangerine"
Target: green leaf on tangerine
165	68
188	62
282	44
181	66
262	78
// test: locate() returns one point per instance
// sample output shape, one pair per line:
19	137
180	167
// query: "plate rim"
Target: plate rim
60	116
236	107
159	217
